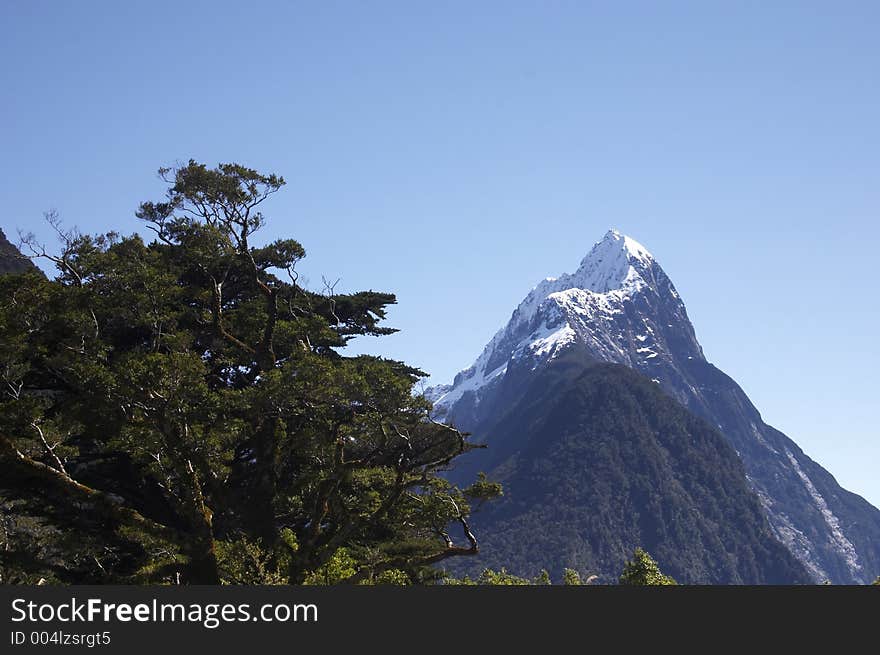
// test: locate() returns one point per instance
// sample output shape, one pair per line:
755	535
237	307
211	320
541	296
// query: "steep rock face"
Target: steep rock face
620	307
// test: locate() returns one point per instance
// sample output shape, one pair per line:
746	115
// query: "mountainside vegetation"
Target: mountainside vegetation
595	461
179	411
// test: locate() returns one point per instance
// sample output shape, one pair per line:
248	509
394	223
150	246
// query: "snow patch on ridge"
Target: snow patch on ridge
548	341
475	381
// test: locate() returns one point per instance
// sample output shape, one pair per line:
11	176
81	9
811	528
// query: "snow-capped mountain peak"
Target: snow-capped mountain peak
612	263
601	305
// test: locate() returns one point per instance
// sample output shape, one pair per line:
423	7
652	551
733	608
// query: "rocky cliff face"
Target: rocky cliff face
620	307
11	260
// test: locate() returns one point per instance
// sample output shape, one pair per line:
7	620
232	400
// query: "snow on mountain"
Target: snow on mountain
593	306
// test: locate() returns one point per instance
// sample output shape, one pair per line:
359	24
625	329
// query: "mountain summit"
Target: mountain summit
619	303
619	307
614	262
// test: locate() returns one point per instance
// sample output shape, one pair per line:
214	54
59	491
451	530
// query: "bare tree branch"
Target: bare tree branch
50	450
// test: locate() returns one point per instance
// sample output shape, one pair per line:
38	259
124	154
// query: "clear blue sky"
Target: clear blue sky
458	152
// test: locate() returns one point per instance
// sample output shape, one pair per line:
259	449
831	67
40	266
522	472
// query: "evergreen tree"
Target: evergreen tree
180	411
571	578
642	570
501	578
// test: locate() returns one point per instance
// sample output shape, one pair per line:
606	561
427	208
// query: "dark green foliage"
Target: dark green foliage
502	578
596	460
179	411
643	571
571	578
